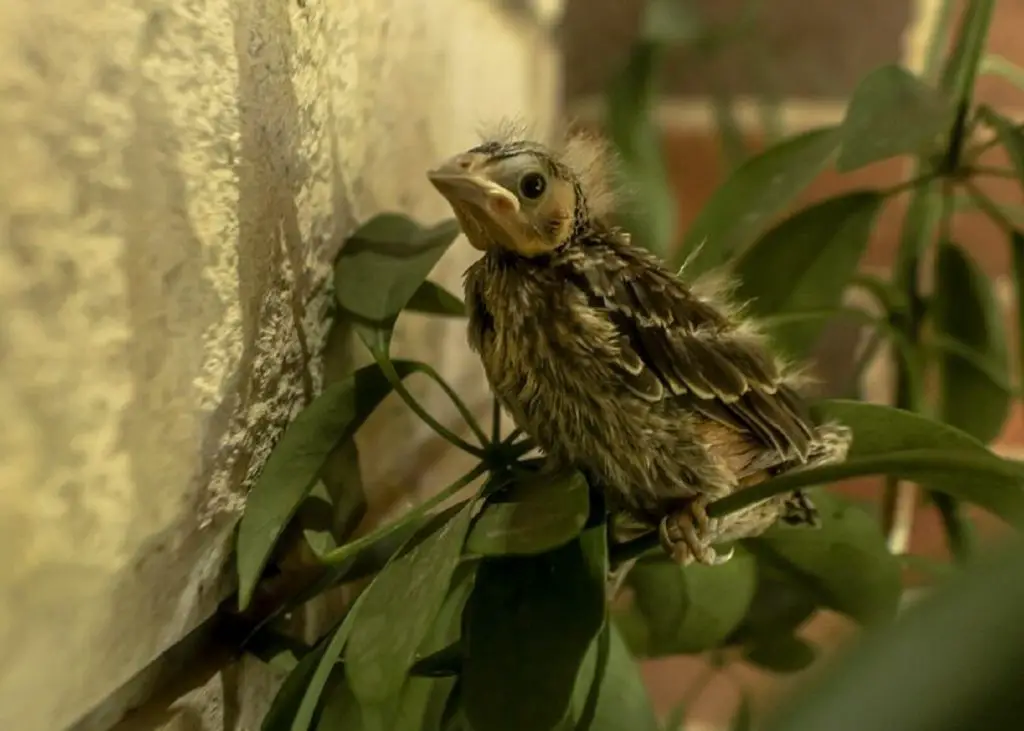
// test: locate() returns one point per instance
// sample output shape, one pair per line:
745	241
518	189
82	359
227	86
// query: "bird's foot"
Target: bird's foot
687	534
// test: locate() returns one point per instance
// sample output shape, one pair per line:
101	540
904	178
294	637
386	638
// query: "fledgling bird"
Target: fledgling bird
661	392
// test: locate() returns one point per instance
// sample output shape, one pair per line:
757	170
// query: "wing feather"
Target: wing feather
676	345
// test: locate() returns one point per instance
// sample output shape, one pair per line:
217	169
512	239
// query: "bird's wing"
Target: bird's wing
675	345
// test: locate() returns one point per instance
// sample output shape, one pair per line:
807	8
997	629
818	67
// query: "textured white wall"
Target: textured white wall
175	178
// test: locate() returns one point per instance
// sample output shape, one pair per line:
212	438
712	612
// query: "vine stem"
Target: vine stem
342	553
899	500
388	368
911	461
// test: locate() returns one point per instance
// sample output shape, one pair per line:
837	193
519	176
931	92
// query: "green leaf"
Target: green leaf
534	514
292	468
423	700
277	650
805	263
614	699
384	262
1003	67
753	195
892	112
340	709
781	654
447	629
781	603
433	299
845	563
528	625
325	666
691	609
961	70
407	594
965	309
289	696
1011	137
951	662
963	62
992	483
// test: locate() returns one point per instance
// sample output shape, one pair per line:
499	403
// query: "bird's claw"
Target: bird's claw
687	534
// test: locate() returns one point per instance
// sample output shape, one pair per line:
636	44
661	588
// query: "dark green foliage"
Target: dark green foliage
973	367
803	264
529	624
891	113
491	614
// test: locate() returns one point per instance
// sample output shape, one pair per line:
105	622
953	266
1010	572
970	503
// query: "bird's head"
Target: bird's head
524	197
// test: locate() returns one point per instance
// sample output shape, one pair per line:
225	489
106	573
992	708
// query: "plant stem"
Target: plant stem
342	553
907	462
388	368
463	409
989	206
992	171
496	421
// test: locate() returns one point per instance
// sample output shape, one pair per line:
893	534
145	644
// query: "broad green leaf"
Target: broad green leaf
529	623
340	708
433	299
610	694
292	468
952	661
649	211
781	603
992	483
780	654
965	309
422	701
805	263
694	608
892	112
751	198
446	632
407	594
534	514
384	262
1011	137
845	563
316	518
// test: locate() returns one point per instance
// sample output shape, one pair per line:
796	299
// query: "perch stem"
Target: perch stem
343	553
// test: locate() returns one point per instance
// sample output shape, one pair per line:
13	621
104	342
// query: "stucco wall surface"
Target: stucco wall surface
175	178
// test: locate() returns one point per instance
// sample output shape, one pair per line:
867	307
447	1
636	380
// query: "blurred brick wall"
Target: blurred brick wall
813	54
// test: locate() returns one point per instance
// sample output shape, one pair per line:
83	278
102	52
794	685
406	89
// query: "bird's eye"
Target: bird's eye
532	185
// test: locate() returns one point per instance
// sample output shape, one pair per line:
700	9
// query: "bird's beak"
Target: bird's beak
481	205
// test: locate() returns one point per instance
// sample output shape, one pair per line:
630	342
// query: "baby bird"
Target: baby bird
660	392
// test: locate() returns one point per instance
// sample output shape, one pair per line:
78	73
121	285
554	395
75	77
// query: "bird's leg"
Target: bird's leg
686	534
